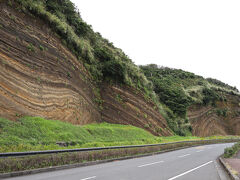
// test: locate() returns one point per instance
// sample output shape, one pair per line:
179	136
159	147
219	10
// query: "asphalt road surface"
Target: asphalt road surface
196	163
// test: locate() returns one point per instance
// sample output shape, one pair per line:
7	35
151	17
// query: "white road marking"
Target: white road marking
175	177
89	178
151	164
184	155
199	151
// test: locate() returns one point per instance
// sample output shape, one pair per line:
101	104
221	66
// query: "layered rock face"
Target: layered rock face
125	105
38	75
41	77
224	119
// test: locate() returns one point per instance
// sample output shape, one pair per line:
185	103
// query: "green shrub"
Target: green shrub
167	85
222	112
221	84
231	151
209	95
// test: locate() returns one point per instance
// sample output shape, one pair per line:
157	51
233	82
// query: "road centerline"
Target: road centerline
89	178
184	155
175	177
150	164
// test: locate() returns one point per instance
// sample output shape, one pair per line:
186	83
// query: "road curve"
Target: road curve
196	163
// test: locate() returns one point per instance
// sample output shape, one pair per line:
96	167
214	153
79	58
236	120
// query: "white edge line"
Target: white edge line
175	177
88	178
199	151
151	163
184	155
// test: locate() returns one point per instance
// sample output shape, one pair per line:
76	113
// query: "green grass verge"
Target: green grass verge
35	133
231	151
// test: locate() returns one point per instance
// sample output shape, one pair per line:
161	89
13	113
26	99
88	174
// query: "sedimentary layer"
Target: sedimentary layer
210	120
125	105
38	75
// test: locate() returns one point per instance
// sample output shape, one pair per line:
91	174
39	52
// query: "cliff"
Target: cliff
205	107
39	76
222	119
53	65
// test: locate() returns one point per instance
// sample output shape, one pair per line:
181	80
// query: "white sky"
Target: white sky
200	36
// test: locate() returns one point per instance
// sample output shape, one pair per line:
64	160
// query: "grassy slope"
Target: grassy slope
35	133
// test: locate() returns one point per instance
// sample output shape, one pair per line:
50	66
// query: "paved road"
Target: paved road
196	163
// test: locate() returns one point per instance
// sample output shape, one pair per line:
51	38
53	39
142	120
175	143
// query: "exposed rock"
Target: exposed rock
38	75
207	122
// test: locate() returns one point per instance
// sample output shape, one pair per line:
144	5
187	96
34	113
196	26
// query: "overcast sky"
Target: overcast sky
200	36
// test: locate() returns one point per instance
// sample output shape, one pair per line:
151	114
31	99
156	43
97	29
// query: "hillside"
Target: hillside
54	66
206	106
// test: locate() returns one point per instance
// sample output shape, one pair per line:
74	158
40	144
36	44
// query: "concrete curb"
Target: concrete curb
228	170
69	166
55	168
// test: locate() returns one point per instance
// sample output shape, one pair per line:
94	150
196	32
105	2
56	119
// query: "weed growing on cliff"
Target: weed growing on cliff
118	98
146	126
12	18
41	47
98	98
31	47
10	3
145	116
39	80
222	112
68	74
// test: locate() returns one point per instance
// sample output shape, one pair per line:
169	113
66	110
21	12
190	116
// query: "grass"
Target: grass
35	133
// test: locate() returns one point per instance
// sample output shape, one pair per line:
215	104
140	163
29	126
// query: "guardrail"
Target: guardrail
29	153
